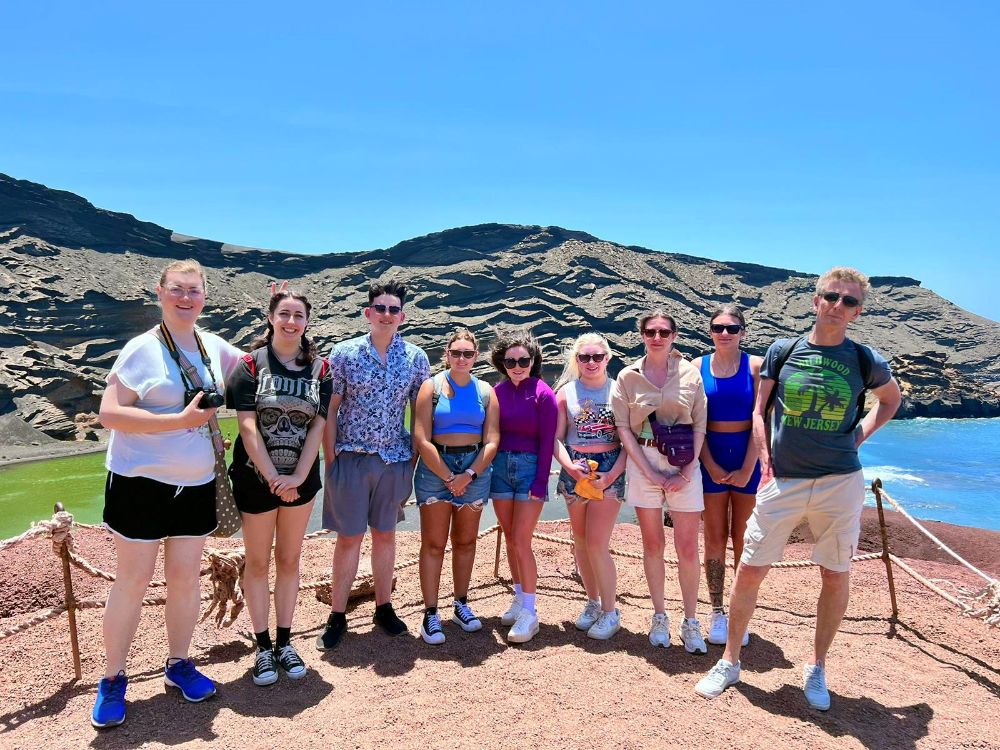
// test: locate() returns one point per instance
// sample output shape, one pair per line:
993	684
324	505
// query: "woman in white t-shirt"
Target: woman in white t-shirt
161	482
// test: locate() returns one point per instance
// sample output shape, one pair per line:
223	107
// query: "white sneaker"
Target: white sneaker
524	628
606	626
691	636
589	616
508	617
718	631
659	630
719	677
814	685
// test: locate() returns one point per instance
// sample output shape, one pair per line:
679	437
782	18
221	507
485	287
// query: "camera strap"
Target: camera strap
190	375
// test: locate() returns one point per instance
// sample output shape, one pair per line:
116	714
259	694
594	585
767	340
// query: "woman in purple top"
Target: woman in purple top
520	480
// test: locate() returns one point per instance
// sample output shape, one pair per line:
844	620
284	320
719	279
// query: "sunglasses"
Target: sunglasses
462	353
731	329
834	297
652	333
391	309
588	358
510	362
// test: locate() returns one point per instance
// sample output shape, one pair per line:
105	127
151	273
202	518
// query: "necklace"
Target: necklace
725	373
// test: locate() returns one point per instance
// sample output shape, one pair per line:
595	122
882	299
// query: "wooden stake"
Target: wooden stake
70	600
496	562
877	491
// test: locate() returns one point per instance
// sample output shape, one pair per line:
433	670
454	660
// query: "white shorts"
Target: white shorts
832	506
640	493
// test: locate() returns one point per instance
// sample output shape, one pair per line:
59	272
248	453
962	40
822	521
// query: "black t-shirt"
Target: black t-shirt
286	402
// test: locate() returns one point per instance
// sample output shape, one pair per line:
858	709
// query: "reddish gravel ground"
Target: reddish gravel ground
931	680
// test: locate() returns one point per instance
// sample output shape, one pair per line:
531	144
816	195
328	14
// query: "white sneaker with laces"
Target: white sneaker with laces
591	613
719	677
691	636
606	626
718	631
524	628
814	686
508	617
659	630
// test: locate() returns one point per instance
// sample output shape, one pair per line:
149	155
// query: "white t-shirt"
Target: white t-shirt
183	458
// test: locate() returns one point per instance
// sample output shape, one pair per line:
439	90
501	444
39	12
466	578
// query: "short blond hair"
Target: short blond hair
183	266
844	273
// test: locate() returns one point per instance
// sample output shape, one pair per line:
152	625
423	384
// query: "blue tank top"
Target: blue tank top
463	413
729	399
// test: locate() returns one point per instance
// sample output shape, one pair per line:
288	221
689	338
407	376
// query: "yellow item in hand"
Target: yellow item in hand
585	487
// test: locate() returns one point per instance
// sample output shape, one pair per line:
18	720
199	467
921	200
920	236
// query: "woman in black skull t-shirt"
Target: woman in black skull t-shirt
281	392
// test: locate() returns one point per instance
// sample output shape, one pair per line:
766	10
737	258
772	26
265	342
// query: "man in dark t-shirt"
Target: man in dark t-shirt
810	469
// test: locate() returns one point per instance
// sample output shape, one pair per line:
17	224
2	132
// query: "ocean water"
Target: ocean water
939	469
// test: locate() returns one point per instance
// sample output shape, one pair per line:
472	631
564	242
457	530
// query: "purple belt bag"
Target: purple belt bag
676	443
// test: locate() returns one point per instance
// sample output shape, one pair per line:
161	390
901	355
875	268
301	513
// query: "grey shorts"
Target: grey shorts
362	490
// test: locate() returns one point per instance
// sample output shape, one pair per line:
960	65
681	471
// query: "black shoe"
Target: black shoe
385	618
336	626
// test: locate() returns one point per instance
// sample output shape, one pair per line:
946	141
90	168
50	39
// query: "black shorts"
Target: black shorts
142	509
253	496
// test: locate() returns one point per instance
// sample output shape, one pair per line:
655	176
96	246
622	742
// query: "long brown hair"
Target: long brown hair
307	349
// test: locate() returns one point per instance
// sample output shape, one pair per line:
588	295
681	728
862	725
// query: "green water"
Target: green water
28	491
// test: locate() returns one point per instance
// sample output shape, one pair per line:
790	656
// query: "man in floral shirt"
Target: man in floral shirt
368	453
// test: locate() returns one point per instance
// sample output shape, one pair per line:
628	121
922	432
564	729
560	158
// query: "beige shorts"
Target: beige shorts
640	493
831	505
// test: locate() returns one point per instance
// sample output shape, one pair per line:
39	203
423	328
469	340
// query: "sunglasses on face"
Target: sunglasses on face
510	362
588	358
834	297
391	309
731	329
462	353
652	333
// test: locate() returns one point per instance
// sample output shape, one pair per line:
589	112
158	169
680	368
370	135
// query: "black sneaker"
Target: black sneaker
430	629
265	672
385	618
336	626
290	661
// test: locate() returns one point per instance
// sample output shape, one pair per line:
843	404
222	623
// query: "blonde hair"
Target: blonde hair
571	368
183	266
844	273
460	334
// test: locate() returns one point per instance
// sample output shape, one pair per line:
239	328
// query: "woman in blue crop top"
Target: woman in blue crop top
456	431
730	471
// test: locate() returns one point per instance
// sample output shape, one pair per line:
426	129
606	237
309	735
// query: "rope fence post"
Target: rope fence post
70	600
496	561
886	555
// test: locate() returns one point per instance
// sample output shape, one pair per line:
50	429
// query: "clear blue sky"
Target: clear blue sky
790	134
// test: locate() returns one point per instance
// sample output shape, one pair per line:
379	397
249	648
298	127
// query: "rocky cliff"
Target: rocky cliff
77	281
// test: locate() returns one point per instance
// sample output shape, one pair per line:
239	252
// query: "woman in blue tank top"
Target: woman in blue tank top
456	430
730	471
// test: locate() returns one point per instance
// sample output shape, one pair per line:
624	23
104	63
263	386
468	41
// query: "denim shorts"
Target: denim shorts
605	460
430	488
513	474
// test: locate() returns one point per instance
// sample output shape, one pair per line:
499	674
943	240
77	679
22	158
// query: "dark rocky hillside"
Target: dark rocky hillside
76	281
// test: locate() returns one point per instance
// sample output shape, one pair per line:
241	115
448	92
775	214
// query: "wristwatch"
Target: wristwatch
472	474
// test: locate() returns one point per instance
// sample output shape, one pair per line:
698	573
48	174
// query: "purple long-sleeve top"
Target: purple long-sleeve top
528	423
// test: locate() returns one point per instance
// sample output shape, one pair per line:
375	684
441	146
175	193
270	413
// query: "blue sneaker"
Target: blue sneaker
109	708
194	686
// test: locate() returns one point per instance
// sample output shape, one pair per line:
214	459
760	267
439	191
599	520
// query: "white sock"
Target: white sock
518	592
529	602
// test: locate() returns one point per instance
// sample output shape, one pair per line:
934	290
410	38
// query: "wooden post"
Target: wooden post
496	562
70	600
877	491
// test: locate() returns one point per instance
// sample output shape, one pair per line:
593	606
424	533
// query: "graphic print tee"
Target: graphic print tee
591	420
817	392
286	402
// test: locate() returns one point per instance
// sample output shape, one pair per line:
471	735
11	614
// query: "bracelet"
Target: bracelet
450	478
472	473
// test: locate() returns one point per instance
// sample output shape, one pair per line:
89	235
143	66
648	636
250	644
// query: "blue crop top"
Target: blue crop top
729	399
462	413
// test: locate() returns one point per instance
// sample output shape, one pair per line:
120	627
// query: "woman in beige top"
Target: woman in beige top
666	385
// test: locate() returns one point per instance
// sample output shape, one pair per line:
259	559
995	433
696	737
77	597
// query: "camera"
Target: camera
210	399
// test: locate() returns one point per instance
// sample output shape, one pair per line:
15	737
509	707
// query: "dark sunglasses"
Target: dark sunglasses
732	329
833	297
652	333
587	358
510	362
462	353
391	309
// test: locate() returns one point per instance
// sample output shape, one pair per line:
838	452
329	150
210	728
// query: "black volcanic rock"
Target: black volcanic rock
77	282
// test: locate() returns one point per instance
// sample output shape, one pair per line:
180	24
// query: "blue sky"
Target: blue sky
790	134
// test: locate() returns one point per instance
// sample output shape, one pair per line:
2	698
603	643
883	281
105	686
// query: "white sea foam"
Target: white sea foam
892	474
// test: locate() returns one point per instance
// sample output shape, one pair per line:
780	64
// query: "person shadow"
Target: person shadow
868	721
